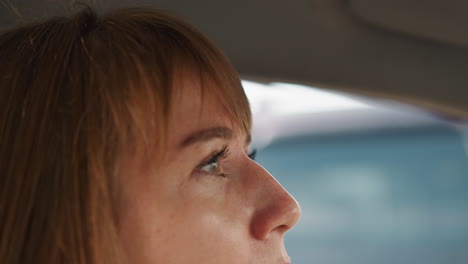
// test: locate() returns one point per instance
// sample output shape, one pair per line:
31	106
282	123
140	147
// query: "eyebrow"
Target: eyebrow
206	135
209	134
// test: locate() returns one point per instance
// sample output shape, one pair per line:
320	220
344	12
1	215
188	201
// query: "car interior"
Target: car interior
360	110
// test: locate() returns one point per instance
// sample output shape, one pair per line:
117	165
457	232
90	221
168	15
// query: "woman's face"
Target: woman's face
207	202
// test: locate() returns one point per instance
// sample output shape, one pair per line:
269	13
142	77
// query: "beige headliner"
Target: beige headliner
414	51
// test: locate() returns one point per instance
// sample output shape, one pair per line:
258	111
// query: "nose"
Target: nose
277	211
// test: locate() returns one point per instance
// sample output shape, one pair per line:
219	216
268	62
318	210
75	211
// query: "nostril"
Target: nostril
283	228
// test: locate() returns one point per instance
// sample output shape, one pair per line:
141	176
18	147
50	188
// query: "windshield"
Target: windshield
374	190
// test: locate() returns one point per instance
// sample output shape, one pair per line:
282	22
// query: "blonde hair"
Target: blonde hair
73	92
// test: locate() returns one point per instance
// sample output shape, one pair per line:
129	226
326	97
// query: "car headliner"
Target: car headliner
413	51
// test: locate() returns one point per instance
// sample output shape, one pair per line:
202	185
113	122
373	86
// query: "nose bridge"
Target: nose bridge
276	211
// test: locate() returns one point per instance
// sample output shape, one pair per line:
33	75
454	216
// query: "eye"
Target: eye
252	154
212	165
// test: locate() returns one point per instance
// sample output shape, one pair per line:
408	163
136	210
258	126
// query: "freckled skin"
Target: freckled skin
176	214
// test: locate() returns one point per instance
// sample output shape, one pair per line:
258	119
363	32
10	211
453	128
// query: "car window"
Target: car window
396	194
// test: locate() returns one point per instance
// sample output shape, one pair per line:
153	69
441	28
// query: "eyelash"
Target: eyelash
252	154
220	156
216	159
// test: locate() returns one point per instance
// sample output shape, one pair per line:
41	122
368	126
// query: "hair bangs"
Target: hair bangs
151	55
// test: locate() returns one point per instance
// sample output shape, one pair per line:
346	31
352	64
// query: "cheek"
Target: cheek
195	222
184	236
207	235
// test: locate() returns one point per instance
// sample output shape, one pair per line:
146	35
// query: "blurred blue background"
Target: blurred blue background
396	194
388	197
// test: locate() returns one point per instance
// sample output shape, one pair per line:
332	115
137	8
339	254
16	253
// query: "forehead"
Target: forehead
195	105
